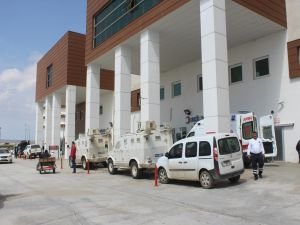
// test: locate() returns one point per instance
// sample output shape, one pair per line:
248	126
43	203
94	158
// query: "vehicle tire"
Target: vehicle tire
53	170
110	167
84	165
235	179
104	164
163	176
206	180
135	171
40	172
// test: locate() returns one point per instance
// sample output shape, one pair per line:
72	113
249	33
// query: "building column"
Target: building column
69	132
48	118
39	123
92	97
122	91
56	118
214	65
150	77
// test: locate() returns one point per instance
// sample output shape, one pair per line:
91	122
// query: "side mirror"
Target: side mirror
167	154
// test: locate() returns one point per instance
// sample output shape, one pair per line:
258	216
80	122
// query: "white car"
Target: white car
205	158
33	151
5	155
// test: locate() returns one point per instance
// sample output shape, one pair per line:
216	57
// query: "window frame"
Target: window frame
232	67
199	87
254	67
173	148
160	97
200	151
185	150
173	88
49	76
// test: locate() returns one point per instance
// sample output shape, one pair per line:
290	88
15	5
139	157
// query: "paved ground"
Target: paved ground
28	198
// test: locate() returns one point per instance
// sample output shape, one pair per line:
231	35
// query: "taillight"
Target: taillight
215	154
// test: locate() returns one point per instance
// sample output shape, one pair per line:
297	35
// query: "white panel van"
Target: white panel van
204	158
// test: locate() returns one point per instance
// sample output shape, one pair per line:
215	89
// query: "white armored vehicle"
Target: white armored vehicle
140	151
92	147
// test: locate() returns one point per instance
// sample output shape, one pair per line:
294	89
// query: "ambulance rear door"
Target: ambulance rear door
267	134
247	126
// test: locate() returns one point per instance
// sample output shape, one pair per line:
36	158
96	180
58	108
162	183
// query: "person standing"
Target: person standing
256	152
73	156
298	149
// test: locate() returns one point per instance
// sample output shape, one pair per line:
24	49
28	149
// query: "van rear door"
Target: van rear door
267	134
247	124
230	158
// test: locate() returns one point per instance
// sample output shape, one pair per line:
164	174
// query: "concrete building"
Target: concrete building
210	57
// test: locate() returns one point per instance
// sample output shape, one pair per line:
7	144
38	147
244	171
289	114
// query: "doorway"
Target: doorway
279	143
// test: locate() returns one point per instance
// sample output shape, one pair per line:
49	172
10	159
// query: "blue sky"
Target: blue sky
28	29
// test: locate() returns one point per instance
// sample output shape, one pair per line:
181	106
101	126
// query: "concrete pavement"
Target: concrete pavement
26	197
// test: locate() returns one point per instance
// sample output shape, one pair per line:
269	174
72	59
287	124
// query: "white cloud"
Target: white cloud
17	99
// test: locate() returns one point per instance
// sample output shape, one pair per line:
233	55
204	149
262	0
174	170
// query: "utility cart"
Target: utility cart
45	164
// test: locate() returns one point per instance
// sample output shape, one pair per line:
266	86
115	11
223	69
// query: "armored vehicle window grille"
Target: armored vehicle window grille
125	141
100	140
132	140
138	140
157	138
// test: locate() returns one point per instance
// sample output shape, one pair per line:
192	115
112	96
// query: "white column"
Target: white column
39	123
56	115
122	91
150	77
48	118
214	65
70	118
92	97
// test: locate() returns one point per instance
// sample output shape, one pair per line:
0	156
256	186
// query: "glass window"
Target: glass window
247	130
100	110
267	132
49	76
162	93
204	148
183	132
191	149
236	73
192	134
261	67
199	83
228	145
176	88
117	15
176	152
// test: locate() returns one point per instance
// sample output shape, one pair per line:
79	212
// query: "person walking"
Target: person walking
256	152
298	149
73	156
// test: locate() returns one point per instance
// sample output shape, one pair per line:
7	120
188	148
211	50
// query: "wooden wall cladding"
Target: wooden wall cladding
80	119
294	58
107	79
94	6
67	60
272	9
135	98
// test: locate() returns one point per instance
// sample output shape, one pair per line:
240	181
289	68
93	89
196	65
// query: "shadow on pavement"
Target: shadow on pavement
4	198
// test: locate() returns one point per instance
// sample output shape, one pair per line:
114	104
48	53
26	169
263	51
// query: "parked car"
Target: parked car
204	158
32	151
5	155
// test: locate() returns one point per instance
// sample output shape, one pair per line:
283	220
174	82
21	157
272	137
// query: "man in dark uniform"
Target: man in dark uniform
256	152
298	149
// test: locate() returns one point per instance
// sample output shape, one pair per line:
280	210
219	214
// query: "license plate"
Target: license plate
226	163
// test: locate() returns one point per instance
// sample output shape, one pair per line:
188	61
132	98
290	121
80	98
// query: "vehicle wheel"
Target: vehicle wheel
235	179
206	179
135	171
163	176
83	161
40	172
110	167
104	164
53	170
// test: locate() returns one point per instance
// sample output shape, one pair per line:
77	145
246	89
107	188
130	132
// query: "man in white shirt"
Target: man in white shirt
256	151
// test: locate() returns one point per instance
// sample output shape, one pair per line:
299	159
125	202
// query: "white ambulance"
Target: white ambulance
140	151
203	158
